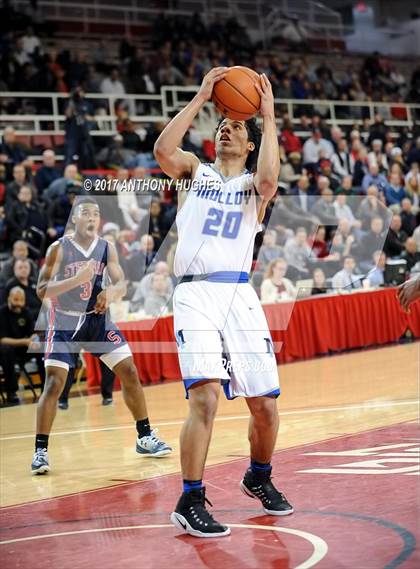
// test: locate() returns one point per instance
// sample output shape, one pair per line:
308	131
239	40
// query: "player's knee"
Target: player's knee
264	410
204	404
128	375
54	385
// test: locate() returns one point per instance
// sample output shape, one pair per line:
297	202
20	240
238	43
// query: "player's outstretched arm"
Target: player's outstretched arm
118	288
47	288
409	292
174	161
268	165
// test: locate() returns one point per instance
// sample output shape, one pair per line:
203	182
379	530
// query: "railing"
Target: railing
131	14
162	107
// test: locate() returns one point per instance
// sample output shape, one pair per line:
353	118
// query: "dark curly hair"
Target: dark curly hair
254	135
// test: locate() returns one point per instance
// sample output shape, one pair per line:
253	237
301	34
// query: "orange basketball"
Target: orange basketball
235	96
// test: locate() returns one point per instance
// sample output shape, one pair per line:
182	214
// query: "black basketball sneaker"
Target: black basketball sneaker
260	486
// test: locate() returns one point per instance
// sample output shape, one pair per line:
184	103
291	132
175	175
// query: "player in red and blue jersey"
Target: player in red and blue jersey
81	277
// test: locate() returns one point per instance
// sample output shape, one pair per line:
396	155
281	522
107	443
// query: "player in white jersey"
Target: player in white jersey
220	327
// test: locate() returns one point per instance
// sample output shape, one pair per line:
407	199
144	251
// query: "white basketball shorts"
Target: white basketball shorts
222	333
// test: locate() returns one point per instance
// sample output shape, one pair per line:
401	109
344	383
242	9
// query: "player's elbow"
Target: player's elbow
160	149
267	188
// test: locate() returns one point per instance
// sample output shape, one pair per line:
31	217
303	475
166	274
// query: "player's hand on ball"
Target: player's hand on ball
212	77
263	87
86	273
408	292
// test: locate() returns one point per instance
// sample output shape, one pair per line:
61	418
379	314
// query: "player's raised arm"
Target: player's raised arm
47	288
268	165
117	290
172	159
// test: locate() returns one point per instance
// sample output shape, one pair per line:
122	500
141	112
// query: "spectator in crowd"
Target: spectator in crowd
375	276
395	239
324	208
115	155
71	177
374	177
112	84
346	188
313	146
377	156
288	138
275	287
21	278
60	210
394	192
11	151
408	219
416	237
25	214
31	43
156	302
318	243
343	211
144	289
127	201
16	336
138	262
297	252
79	146
19	251
414	172
131	140
288	175
412	188
377	130
302	192
414	154
269	250
346	279
411	254
371	207
12	189
342	160
373	240
47	173
155	225
319	285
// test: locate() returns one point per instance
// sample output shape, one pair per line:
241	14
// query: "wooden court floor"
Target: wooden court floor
93	446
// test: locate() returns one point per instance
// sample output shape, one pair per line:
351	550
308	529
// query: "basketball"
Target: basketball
235	96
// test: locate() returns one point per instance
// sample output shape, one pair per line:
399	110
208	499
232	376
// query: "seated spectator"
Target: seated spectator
319	285
131	140
342	161
20	251
408	219
325	171
343	211
346	279
115	155
138	262
373	240
11	151
394	192
144	289
371	207
297	251
346	187
412	188
377	156
318	243
60	210
313	146
155	225
269	250
275	287
411	254
25	214
21	278
12	189
127	201
395	239
375	276
324	208
302	191
71	177
288	175
375	178
156	301
48	172
112	84
288	138
16	336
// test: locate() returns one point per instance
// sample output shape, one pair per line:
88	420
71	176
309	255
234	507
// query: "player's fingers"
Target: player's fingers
266	80
258	89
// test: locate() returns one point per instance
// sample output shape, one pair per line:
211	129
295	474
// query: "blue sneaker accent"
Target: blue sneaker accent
40	463
152	446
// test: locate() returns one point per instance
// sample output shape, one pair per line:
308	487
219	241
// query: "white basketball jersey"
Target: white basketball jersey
217	224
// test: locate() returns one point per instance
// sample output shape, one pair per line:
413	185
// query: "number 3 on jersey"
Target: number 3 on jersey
86	290
225	225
